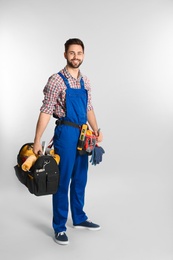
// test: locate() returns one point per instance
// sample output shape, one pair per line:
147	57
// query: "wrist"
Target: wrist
36	140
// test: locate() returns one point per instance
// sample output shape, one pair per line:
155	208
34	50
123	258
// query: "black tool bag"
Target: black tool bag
42	178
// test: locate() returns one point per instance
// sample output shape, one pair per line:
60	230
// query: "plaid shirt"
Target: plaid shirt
55	93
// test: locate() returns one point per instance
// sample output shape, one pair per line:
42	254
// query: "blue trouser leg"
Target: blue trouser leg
72	166
77	189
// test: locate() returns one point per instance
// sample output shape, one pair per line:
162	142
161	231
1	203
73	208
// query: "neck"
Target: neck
74	72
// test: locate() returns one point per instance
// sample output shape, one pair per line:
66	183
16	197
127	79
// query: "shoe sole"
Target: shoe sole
88	228
61	242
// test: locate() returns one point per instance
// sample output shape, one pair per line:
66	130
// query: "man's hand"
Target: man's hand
37	148
99	136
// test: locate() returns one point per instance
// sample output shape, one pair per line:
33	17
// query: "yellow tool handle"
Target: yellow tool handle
82	136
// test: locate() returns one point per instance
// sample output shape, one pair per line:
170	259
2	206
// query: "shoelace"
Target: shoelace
61	233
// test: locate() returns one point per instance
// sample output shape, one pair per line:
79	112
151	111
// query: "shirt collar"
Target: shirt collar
68	75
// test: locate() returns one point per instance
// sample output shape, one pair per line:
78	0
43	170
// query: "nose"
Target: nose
75	55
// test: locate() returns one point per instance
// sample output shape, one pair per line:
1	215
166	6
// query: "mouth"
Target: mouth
75	61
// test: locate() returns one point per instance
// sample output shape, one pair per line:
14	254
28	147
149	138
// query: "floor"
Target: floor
134	210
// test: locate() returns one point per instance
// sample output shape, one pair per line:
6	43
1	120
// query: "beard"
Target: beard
74	63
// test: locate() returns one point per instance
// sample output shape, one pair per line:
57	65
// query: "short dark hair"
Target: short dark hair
73	41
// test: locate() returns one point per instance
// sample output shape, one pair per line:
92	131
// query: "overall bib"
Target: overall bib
73	167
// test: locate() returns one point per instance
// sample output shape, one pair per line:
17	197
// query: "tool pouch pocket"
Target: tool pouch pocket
87	144
43	177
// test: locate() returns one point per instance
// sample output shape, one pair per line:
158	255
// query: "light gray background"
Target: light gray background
129	60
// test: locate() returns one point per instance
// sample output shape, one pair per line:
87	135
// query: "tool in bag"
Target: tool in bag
40	174
87	140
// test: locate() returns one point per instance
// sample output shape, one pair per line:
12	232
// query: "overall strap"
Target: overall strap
65	79
67	83
82	83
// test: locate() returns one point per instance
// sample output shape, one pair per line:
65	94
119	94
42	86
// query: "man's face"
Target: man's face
74	56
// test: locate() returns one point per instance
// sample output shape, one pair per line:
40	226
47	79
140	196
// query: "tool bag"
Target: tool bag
43	176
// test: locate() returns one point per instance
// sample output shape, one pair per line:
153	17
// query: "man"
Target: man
67	96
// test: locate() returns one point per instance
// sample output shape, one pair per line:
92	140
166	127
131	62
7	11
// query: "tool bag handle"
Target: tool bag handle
50	144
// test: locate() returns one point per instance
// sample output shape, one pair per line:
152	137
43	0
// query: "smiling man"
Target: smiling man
67	96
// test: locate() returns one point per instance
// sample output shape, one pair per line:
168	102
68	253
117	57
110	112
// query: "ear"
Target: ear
65	55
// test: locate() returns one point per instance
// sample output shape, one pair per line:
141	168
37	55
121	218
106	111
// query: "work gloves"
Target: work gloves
96	156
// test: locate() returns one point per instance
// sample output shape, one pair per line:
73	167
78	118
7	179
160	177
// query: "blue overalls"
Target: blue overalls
72	166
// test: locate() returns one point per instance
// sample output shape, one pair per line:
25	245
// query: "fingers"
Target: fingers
99	136
40	152
37	149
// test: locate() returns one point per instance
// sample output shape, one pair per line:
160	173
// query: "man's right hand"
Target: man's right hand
37	148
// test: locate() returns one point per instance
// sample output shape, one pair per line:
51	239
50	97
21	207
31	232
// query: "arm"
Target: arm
42	123
93	124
